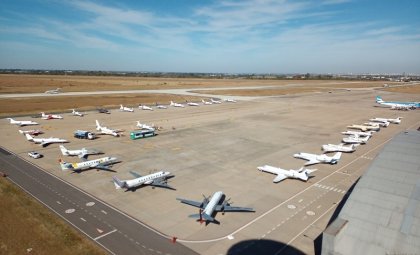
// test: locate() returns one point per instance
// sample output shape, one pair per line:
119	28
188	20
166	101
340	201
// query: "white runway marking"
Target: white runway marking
90	204
71	210
110	232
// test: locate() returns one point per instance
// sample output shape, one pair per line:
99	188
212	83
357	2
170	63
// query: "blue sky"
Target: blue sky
249	36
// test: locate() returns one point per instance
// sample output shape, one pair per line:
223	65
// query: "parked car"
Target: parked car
34	154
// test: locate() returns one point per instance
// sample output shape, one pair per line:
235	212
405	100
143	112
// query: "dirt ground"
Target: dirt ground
35	105
40	83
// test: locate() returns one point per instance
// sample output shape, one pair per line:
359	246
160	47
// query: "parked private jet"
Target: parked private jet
394	121
145	107
315	159
215	101
229	100
77	113
209	207
338	147
158	179
50	116
159	106
107	131
22	122
380	124
359	133
302	173
125	109
397	104
45	141
103	110
144	126
34	132
206	102
354	139
54	91
100	164
365	128
82	153
192	104
177	105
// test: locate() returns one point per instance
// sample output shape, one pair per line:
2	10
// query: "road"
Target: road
115	231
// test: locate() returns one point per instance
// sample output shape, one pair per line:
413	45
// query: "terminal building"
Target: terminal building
382	214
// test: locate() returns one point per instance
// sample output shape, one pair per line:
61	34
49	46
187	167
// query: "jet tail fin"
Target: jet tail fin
118	183
337	156
379	99
63	150
29	137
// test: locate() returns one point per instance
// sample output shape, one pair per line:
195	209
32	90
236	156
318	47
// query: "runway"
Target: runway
116	232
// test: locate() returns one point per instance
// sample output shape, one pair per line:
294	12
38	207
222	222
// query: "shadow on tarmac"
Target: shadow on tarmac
262	246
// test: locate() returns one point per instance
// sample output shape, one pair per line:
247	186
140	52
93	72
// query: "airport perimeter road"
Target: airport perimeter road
114	231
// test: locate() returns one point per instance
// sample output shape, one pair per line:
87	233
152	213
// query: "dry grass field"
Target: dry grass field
27	227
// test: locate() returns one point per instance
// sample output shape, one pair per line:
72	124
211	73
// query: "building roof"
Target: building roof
382	215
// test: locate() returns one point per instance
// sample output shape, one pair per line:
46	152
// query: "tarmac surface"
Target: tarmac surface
219	147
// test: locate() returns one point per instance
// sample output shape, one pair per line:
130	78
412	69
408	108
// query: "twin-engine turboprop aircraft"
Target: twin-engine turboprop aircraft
209	207
158	179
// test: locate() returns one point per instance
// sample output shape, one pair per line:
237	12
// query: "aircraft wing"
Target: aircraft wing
104	167
136	175
279	178
228	208
44	144
311	162
161	183
190	202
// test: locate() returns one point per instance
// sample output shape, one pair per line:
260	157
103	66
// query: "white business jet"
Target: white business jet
192	104
158	179
107	131
100	164
145	107
77	113
380	124
45	141
125	109
160	106
215	101
208	207
394	121
338	147
82	153
359	133
177	105
50	116
31	132
355	139
302	173
206	102
144	126
22	122
315	159
229	100
365	128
